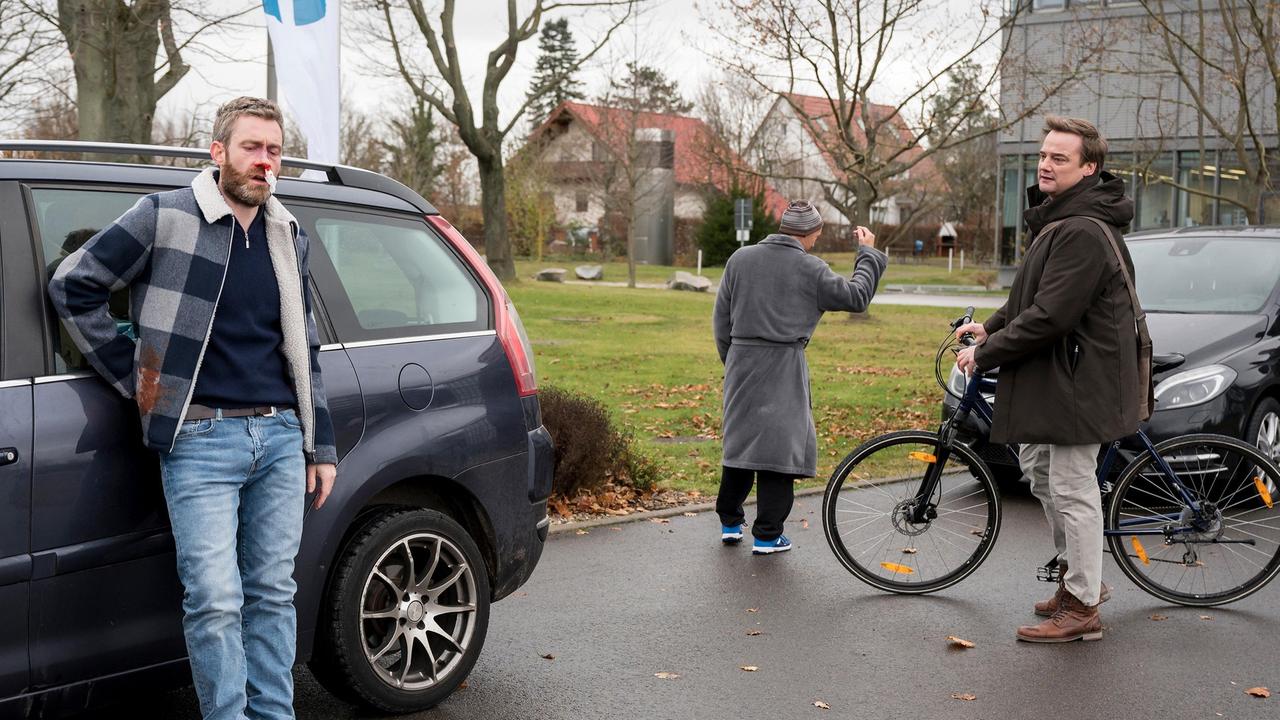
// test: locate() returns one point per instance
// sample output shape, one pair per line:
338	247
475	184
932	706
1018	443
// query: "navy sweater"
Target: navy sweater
243	365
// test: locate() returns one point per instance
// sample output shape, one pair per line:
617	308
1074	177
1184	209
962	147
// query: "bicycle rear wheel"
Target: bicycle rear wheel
1225	552
867	508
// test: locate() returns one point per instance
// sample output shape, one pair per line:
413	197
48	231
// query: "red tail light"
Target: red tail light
510	329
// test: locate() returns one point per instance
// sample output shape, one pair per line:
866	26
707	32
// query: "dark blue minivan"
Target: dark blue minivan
444	464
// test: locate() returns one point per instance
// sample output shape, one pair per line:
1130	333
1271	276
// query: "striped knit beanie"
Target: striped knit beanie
800	219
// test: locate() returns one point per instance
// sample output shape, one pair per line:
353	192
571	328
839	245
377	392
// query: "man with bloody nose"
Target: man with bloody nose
226	377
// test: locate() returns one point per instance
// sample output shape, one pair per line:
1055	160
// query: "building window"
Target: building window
581	201
1235	183
1040	5
1199	178
1153	192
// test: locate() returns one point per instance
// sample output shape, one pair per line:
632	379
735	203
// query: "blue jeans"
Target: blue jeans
235	489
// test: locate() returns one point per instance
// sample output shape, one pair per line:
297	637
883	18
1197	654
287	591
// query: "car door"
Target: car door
15	448
101	548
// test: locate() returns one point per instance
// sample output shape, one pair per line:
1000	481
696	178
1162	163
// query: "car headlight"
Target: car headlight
1194	387
958	382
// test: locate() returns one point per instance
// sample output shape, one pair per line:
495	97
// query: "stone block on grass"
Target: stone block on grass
682	280
551	275
589	272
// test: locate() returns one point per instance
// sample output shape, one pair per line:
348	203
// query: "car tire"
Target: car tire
1263	429
406	612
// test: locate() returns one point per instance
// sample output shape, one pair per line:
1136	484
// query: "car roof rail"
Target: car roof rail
344	175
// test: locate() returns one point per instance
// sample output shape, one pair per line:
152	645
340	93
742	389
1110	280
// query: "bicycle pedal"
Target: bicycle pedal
1050	572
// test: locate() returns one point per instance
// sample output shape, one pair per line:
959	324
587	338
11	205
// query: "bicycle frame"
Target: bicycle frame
974	402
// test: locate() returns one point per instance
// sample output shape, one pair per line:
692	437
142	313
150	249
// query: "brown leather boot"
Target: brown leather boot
1046	608
1073	621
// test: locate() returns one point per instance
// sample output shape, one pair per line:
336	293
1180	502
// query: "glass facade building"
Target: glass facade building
1171	189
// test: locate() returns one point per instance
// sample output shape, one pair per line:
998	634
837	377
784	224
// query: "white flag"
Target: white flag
304	38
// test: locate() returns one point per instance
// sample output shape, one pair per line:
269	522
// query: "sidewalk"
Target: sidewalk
936	296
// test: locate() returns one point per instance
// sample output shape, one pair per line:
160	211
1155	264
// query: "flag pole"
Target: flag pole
271	71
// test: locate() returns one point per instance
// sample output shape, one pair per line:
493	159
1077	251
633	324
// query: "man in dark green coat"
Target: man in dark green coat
1066	346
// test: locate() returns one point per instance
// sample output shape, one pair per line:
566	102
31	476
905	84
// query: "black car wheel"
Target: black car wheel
1264	431
407	612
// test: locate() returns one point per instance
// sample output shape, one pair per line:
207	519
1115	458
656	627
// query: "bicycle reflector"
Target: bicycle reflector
897	569
923	457
1263	492
1140	551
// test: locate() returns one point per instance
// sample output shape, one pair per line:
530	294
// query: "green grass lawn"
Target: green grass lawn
648	355
932	272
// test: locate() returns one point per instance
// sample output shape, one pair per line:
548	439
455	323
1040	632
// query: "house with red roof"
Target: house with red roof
798	146
583	142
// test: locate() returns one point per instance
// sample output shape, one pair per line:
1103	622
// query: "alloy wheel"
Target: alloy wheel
418	611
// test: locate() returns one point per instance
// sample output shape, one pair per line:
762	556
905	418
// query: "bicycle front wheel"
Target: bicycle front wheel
1210	535
870	519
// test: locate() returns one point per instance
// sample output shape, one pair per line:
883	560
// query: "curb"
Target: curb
663	513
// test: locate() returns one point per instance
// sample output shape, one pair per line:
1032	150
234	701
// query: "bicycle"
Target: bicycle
1192	520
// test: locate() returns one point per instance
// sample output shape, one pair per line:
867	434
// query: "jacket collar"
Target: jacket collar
782	239
214	207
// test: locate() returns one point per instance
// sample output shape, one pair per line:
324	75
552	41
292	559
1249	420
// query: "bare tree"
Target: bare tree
845	51
115	50
1224	60
442	85
26	45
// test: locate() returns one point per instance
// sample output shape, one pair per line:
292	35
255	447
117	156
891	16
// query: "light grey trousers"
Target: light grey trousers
1063	479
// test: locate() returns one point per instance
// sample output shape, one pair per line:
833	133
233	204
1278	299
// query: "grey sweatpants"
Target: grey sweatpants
1063	479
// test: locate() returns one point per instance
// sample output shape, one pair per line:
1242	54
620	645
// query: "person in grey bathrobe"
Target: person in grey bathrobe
771	297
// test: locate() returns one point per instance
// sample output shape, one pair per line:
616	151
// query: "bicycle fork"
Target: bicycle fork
923	509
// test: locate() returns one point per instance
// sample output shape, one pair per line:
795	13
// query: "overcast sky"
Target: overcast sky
673	35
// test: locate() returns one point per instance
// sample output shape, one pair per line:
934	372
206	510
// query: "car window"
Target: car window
398	277
66	219
1205	274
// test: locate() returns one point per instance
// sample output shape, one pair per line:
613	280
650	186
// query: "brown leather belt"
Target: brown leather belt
200	412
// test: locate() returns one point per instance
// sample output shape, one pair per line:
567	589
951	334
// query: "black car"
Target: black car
444	463
1212	295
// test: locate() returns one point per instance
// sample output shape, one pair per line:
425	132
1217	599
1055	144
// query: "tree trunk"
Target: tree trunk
493	204
631	247
113	50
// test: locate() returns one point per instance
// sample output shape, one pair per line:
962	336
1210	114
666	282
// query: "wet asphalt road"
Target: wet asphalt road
624	602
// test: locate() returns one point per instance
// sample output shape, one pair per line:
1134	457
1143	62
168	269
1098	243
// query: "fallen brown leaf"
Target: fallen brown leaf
959	642
660	521
1158	617
548	656
820	704
666	675
748	668
964	696
690	514
583	532
752	610
909	551
1206	617
1259	692
753	633
462	685
804	523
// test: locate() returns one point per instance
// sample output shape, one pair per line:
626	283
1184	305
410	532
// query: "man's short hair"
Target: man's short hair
233	109
1094	148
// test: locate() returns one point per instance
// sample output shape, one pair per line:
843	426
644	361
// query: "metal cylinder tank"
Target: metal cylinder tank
654	196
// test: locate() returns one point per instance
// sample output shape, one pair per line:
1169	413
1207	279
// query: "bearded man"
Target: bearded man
225	373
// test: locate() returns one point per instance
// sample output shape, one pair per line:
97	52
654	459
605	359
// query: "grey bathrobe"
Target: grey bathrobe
771	298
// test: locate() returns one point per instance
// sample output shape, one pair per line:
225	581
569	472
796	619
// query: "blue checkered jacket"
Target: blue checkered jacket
171	251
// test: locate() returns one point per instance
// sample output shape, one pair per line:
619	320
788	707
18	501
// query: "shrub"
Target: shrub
590	451
717	237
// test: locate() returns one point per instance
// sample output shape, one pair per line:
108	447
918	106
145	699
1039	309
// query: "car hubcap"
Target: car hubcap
418	611
1269	442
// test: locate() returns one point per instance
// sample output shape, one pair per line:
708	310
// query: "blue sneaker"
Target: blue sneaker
767	547
730	534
